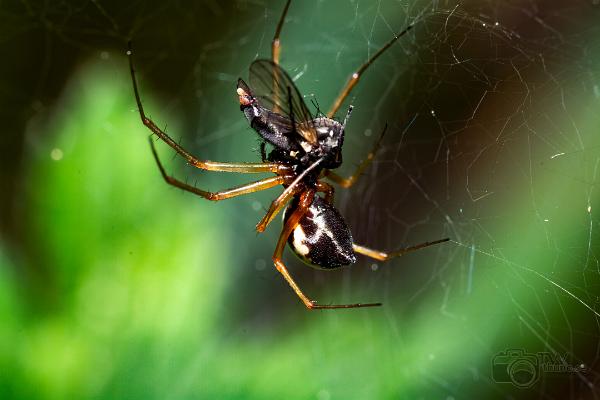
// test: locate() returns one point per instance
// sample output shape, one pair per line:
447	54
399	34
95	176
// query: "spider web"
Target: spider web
492	141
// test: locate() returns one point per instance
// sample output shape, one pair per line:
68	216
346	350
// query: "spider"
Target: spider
306	150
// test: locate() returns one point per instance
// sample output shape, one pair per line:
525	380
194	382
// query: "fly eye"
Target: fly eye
245	98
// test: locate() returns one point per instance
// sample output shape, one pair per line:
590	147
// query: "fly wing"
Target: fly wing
276	91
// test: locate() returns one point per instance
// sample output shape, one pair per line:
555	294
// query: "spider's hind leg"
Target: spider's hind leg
384	256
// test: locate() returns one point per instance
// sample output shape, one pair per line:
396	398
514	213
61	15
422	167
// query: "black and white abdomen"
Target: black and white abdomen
322	238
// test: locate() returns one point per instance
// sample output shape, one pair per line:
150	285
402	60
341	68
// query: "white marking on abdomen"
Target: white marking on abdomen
323	228
299	239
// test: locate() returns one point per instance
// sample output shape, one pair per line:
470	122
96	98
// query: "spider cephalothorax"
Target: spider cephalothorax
305	150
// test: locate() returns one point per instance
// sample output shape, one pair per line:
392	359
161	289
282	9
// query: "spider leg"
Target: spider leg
263	152
305	201
383	256
326	188
293	187
206	165
351	180
276	206
276	49
276	44
221	195
355	77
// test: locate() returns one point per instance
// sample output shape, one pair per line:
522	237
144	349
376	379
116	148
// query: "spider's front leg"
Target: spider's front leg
355	77
276	206
280	202
276	43
294	186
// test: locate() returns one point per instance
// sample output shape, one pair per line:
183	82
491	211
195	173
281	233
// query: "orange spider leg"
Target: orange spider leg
383	256
355	77
351	180
257	186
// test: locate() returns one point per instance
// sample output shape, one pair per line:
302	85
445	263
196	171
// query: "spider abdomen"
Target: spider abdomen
321	238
